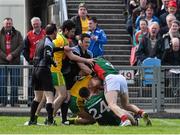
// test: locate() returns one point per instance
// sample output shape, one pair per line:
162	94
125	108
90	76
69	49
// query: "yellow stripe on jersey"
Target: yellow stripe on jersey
78	85
60	41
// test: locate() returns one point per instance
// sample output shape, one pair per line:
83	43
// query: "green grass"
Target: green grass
14	125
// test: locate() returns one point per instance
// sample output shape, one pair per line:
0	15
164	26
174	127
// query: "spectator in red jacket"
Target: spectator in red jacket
30	42
32	38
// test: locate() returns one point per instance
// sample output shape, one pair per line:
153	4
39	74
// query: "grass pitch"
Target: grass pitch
15	125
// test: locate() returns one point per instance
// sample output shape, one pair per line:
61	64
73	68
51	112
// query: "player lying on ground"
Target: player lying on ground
97	107
76	103
114	83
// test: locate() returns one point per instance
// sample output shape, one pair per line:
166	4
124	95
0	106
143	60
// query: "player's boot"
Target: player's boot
146	119
66	123
50	123
31	122
126	123
136	117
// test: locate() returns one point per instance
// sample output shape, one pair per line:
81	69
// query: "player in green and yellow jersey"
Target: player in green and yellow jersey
77	103
61	41
58	79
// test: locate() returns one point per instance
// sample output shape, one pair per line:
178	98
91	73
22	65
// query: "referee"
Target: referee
41	76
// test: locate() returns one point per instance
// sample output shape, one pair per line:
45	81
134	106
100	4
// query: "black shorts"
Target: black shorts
42	79
69	79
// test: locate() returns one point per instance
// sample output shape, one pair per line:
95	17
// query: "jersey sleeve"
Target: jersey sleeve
48	55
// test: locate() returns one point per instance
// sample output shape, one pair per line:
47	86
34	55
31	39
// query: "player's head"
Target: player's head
68	28
95	84
85	39
51	30
84	92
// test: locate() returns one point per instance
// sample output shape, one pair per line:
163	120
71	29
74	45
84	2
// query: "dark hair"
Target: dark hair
84	35
84	92
150	5
143	19
94	19
8	18
50	28
68	24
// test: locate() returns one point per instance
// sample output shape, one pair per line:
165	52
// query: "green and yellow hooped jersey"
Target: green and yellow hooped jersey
60	41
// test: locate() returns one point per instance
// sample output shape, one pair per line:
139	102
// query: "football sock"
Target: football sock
49	109
64	111
34	107
140	112
124	117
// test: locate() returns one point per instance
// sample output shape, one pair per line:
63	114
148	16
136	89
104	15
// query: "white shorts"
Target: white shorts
115	82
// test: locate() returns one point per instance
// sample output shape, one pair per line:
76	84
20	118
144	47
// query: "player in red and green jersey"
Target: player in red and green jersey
114	83
97	107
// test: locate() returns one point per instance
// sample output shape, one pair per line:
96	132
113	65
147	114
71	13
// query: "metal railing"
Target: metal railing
163	93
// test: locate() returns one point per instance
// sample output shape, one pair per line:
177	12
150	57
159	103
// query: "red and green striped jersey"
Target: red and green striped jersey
103	68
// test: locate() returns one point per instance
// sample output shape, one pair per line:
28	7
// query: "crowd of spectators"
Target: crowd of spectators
155	32
152	24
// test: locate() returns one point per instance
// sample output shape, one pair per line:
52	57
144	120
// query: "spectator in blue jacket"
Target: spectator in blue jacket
98	38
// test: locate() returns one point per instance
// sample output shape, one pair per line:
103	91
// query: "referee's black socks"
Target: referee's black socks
34	107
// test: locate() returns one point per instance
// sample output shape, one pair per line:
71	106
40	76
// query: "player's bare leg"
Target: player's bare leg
133	108
61	95
111	98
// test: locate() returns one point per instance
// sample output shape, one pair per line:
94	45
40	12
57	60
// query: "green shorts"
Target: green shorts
76	105
58	79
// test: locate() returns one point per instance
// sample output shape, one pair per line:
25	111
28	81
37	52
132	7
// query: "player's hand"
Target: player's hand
67	48
95	38
90	61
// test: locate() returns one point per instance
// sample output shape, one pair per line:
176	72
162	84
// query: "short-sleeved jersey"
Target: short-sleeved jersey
60	41
78	85
76	102
103	68
97	107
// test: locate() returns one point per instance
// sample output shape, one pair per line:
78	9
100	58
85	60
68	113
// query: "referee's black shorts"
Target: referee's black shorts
42	79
